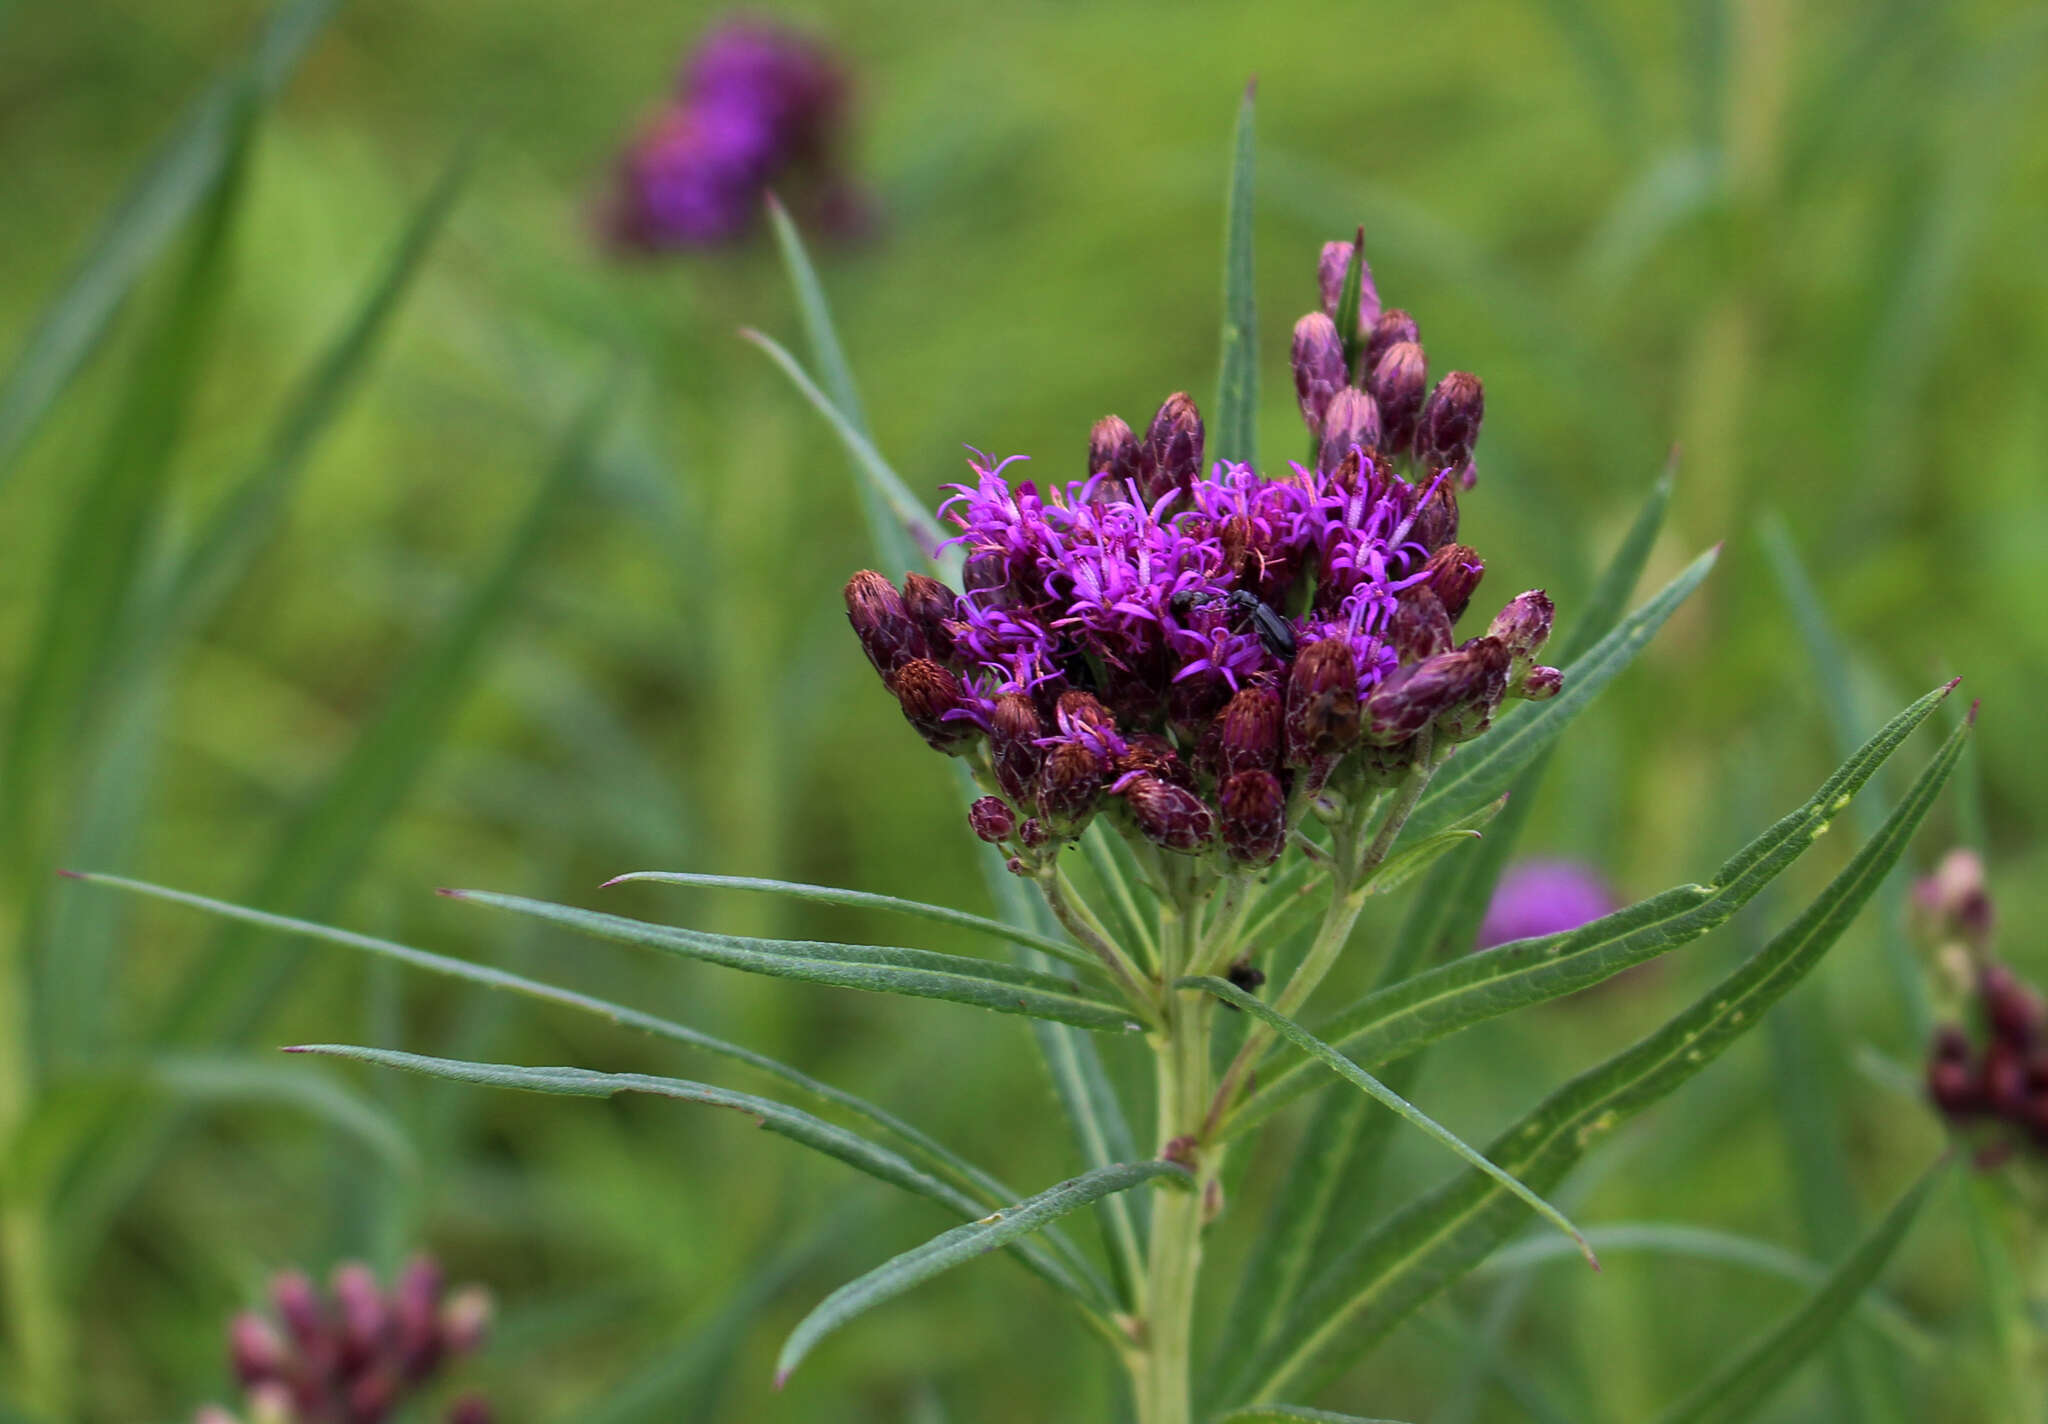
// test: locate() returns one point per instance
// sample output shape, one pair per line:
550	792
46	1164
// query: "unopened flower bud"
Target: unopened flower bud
927	693
1452	573
1322	701
1484	662
1014	730
1069	785
1113	449
1393	327
372	1397
1539	684
1436	522
1319	371
1951	1081
2004	1084
1254	817
992	819
1523	627
1413	697
984	569
298	1306
887	633
932	606
1250	732
1420	628
1173	446
1152	753
1085	709
1400	380
2011	1009
1450	422
255	1348
1330	270
1033	834
365	1318
1352	422
1171	817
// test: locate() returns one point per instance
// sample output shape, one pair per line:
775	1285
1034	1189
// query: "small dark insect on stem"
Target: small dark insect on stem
1273	630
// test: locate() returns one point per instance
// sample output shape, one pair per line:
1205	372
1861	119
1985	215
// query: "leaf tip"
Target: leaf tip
616	880
71	874
295	1048
451	894
1251	89
773	204
1975	703
782	1376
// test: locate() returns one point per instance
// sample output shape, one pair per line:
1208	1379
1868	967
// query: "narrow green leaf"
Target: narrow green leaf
923	530
1597	617
220	1078
1404	865
1284	1412
1399	1263
177	177
866	900
779	1118
1735	1391
887	969
1398	1019
1350	328
1491	764
1233	435
1344	1068
962	1243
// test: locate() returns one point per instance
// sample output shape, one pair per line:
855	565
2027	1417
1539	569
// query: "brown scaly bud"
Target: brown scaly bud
1540	684
1173	447
1951	1079
1033	834
1254	817
1014	730
1484	662
1413	697
992	819
932	606
1069	785
1400	380
1452	573
1420	628
887	632
1450	423
1322	701
1393	327
1113	449
1523	627
984	570
1171	817
1085	708
927	693
1436	522
1319	371
1153	753
1352	422
1250	732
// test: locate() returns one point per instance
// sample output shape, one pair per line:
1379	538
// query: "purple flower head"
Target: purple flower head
1544	897
756	106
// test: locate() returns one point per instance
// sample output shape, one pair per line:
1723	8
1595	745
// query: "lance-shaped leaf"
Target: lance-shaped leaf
867	900
962	1243
785	1121
1735	1391
1402	1017
1234	432
1405	1260
1489	766
1344	1068
933	1155
886	969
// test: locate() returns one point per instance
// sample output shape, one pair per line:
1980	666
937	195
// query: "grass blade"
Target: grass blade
176	179
867	900
1404	1261
1344	1068
1735	1391
237	1079
1234	432
1493	763
1398	1019
887	969
961	1244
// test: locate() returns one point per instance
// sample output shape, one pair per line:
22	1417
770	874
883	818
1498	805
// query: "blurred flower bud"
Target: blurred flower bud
1523	627
1450	422
1014	730
1322	701
1452	573
1393	327
1254	817
1399	382
1069	785
927	693
1420	628
466	1319
1319	371
1351	423
1953	903
271	1403
1951	1080
1540	684
470	1409
257	1351
2004	1083
1330	269
992	819
884	626
1249	732
1113	449
365	1319
298	1306
2012	1010
1173	447
214	1414
1171	817
372	1396
1541	897
931	606
1483	662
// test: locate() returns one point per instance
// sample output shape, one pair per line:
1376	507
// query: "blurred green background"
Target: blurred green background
1800	241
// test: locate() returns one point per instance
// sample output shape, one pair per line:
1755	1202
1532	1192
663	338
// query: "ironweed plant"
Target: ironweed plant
1206	715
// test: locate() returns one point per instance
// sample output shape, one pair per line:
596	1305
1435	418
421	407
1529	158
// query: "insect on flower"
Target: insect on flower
1275	632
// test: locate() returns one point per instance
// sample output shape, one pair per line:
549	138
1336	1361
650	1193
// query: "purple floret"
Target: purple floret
1544	897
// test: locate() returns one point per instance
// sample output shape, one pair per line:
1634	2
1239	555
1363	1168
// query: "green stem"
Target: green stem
1080	922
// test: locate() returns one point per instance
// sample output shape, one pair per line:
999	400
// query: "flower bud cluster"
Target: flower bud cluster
756	105
1996	1079
356	1354
1194	649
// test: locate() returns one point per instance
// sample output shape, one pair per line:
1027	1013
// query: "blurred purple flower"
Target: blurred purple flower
756	106
1543	897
